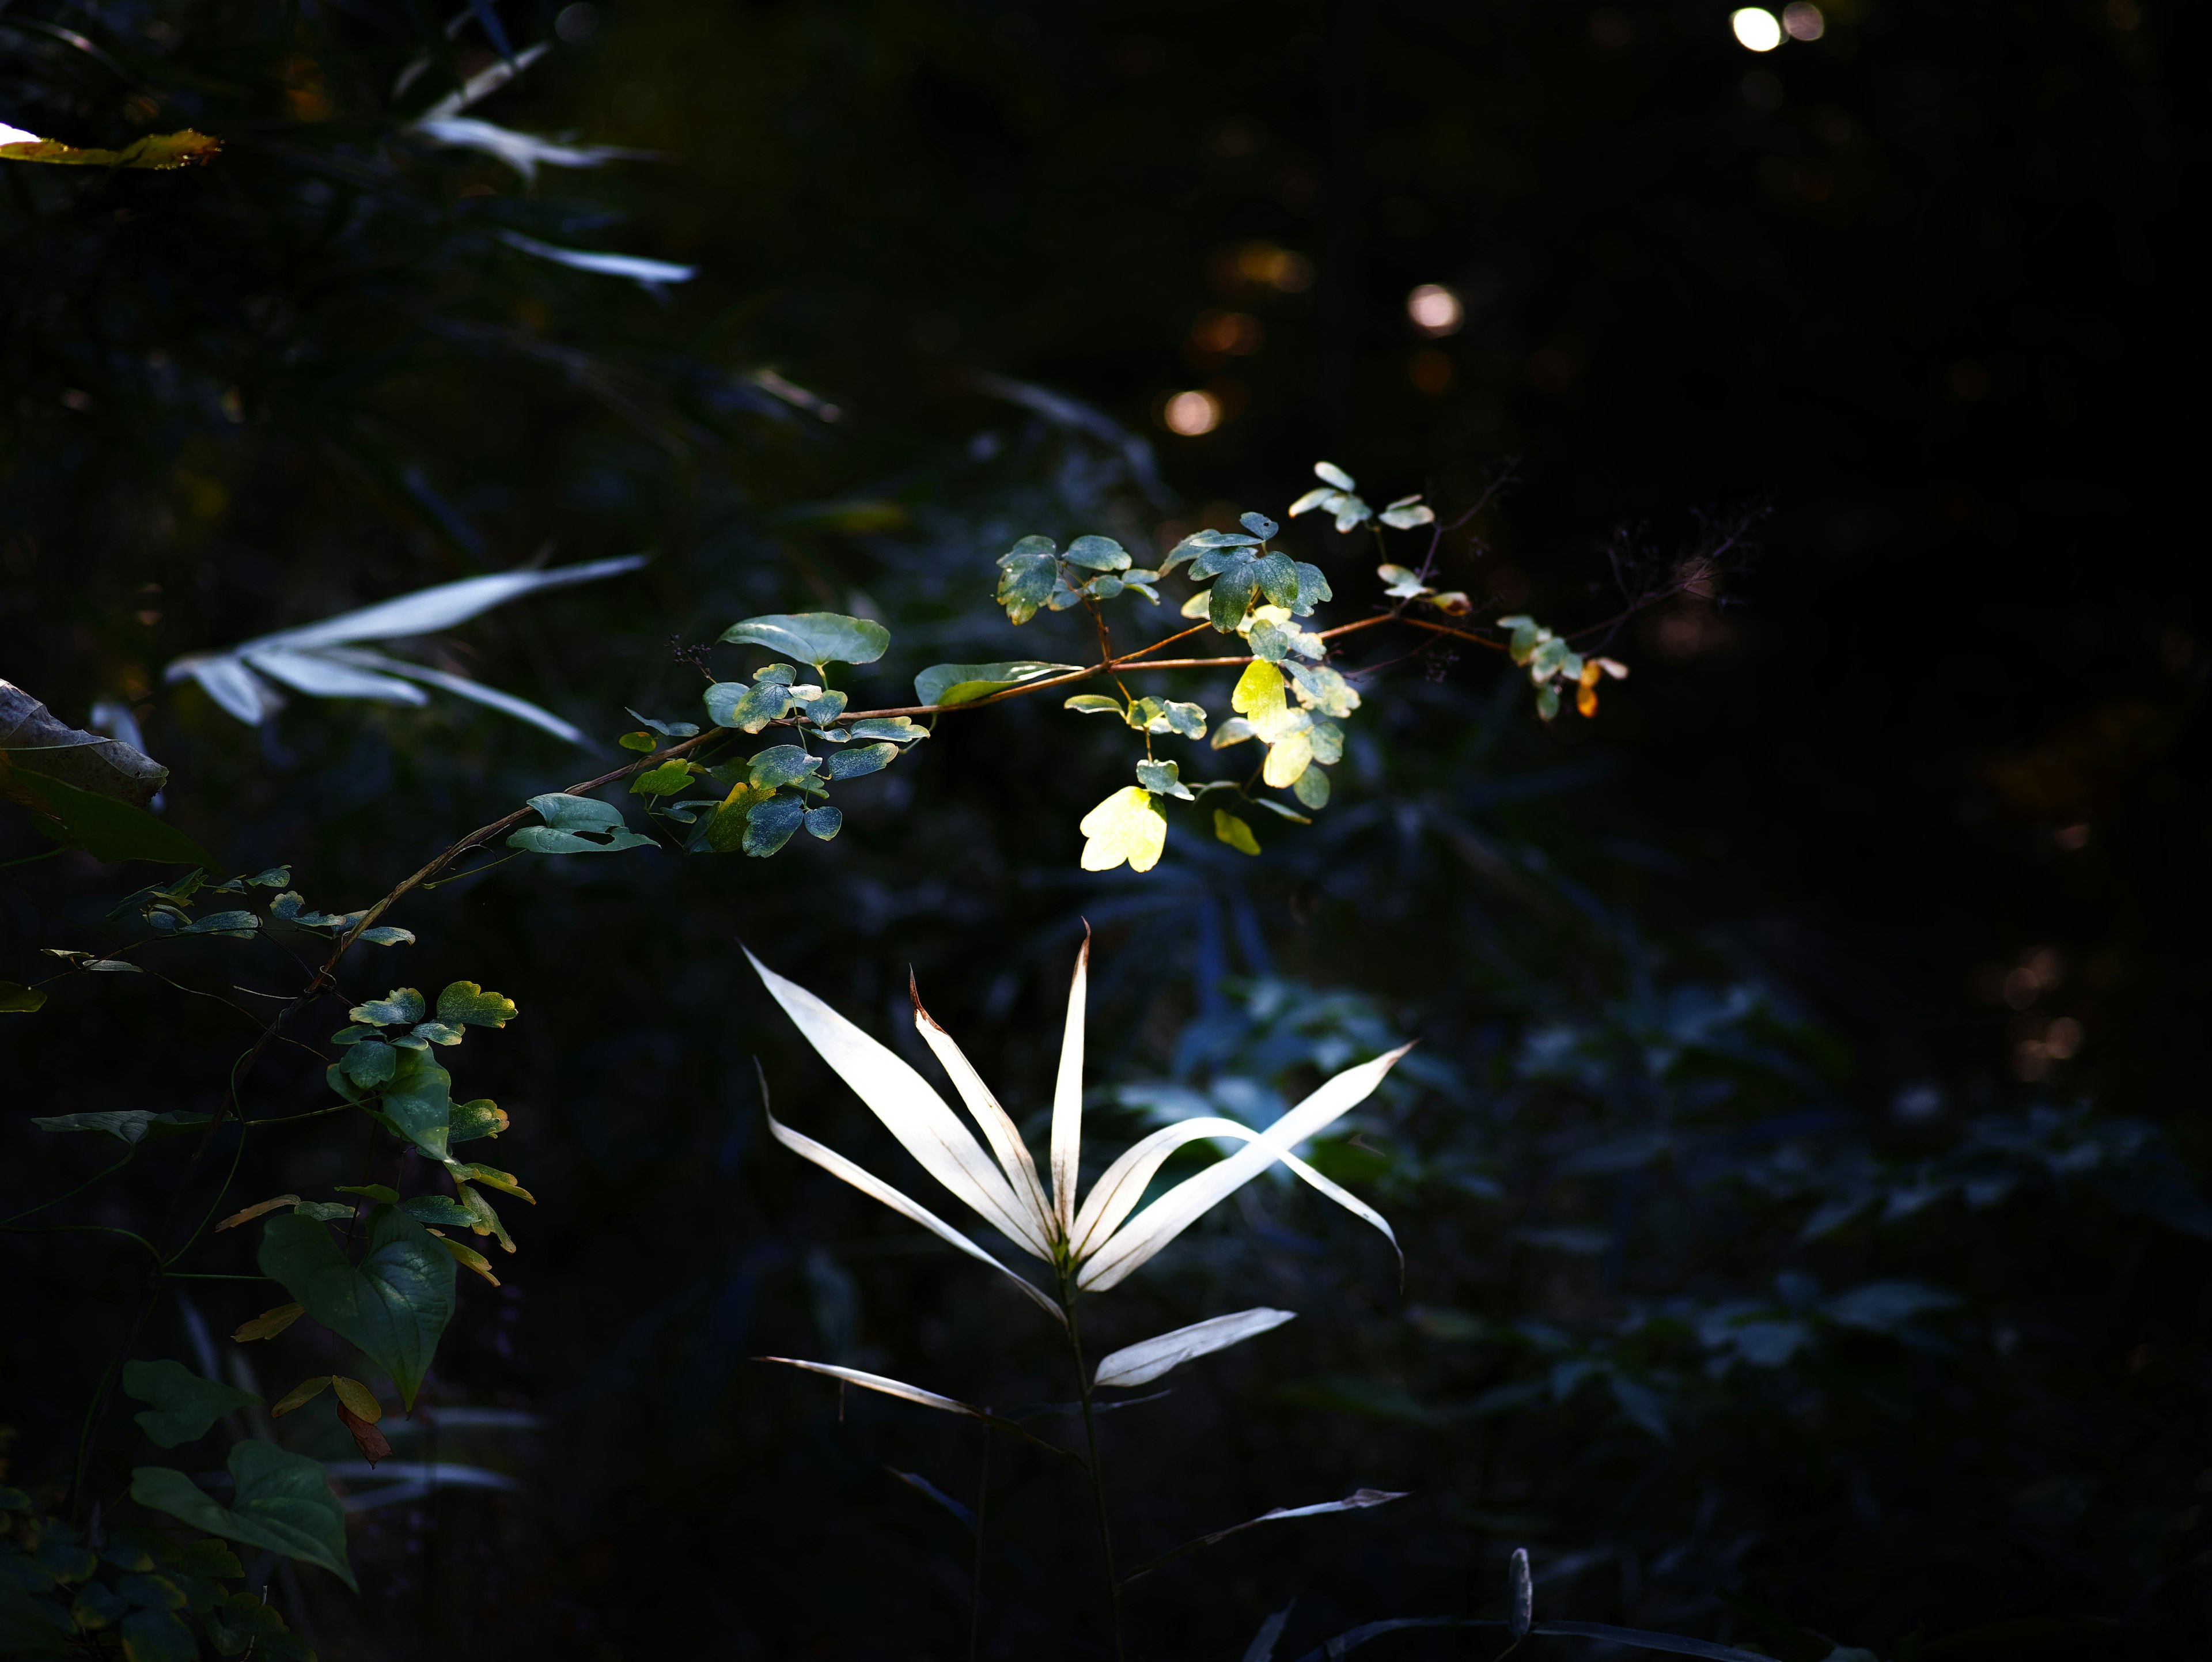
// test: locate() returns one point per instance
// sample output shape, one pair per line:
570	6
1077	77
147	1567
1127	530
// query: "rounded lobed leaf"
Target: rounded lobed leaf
815	637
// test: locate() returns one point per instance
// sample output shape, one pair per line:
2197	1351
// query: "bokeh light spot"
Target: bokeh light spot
1190	414
1756	28
1435	309
1803	21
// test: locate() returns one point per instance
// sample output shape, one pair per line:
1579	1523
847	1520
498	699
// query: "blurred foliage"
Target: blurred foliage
1799	1180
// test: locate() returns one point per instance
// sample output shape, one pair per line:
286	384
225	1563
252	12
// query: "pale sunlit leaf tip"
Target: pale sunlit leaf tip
1141	1363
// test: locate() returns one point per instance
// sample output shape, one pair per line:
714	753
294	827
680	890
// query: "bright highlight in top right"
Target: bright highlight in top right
1757	29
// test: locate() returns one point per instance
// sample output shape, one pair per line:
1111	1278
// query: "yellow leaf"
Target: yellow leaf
255	1211
358	1398
157	150
468	1257
1586	699
491	1178
1288	758
1126	826
1259	695
269	1322
1228	828
301	1394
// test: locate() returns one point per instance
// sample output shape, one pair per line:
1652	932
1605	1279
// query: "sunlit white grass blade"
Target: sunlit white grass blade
1067	1097
648	273
524	152
312	673
1358	1500
1116	1193
505	703
903	1101
998	1128
897	1388
231	685
429	610
1129	1248
1145	1361
483	84
875	1188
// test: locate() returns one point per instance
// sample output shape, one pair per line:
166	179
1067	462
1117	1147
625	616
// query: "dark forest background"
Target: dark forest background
1801	1180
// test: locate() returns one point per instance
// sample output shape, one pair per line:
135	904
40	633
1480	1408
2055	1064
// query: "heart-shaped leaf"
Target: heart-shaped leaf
279	1501
814	638
185	1404
572	825
394	1305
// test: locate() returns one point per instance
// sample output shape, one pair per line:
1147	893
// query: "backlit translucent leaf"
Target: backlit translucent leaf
1321	688
1406	513
1228	828
962	683
1187	720
358	1398
1328	741
1330	473
1067	1095
1258	697
1141	1364
300	1396
161	151
998	1131
1162	779
1234	731
909	1108
394	1305
1287	759
1453	603
814	638
279	1501
1311	787
184	1405
1125	827
466	1002
1093	703
1127	1249
269	1322
876	1382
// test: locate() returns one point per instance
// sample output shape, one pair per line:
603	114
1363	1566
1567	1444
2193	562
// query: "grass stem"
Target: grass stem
1098	1480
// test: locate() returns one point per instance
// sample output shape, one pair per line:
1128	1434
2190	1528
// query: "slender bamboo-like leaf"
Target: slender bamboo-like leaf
650	275
1358	1500
1262	1647
889	1387
903	1101
916	1481
323	678
483	84
505	703
1145	1361
1067	1097
875	1188
999	1130
1166	1217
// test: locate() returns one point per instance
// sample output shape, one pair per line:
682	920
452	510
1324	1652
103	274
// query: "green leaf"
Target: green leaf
571	824
437	1033
1321	688
1097	554
156	1635
1027	575
466	1002
392	1306
638	741
664	780
814	638
1258	525
399	1007
768	824
1104	587
899	729
131	1125
418	1102
1269	642
185	1404
1328	740
749	709
16	999
824	823
235	926
1547	700
161	151
386	934
822	707
441	1211
277	877
94	1607
1093	703
1311	787
1125	827
665	729
781	766
963	684
370	1063
280	1501
242	1622
325	1211
1162	779
1188	720
482	1118
1275	807
1257	698
857	763
1313	589
1228	828
101	826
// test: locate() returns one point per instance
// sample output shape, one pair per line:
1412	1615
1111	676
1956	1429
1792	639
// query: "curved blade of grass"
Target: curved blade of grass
505	703
1166	1217
1675	1642
905	1392
1145	1361
875	1189
998	1128
1358	1500
914	1480
1067	1097
1262	1647
903	1101
1119	1189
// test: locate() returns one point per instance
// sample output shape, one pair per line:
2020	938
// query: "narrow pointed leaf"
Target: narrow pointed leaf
916	1481
1190	1200
1141	1363
999	1130
875	1188
491	697
312	674
1262	1647
1358	1500
903	1101
1068	1096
